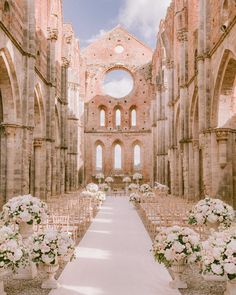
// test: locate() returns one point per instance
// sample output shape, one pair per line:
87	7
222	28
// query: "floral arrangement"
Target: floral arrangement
133	187
148	194
175	244
109	179
219	255
13	253
161	187
137	176
100	196
92	187
46	247
126	179
99	176
104	187
212	211
134	197
24	209
144	188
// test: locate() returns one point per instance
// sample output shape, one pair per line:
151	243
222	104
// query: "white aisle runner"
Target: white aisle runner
114	257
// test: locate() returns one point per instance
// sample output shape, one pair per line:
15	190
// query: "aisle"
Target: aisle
114	257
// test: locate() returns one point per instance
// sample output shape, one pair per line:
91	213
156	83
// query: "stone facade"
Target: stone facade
39	100
101	58
194	72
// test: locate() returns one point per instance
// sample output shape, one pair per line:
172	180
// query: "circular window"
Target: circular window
119	49
118	83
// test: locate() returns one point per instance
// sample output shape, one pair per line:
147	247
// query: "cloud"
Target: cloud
96	37
143	16
118	88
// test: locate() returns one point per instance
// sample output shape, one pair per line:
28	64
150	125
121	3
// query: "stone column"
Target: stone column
37	166
10	133
196	169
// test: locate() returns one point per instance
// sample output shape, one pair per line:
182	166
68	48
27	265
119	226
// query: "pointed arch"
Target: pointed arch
117	155
11	103
137	155
223	106
117	117
194	118
99	156
102	116
39	113
133	116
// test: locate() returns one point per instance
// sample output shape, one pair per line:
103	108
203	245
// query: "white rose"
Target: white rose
232	245
212	218
25	216
178	247
18	254
46	259
217	269
230	268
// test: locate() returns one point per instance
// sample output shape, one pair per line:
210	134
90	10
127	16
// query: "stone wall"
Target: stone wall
194	65
39	84
101	58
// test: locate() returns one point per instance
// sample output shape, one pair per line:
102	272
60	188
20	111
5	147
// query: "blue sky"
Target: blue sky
92	18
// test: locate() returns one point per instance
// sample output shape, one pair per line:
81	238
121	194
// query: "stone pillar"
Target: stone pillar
196	169
10	133
37	166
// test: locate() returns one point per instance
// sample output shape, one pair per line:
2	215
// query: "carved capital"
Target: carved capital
169	64
65	62
222	134
52	34
195	143
182	35
38	142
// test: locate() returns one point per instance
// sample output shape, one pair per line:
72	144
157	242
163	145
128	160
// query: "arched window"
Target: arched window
99	157
133	118
118	118
102	118
137	157
117	157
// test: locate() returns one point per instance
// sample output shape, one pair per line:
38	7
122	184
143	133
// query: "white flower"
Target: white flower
217	269
230	268
47	259
212	218
25	216
18	254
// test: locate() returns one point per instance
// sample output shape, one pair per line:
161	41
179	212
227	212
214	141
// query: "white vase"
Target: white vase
230	287
3	272
30	271
50	282
177	270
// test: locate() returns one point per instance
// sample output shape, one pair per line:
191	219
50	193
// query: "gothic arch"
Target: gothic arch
133	118
177	126
97	144
57	127
39	113
223	107
134	145
194	118
118	143
11	103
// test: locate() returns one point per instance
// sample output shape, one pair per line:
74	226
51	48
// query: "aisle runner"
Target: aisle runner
114	257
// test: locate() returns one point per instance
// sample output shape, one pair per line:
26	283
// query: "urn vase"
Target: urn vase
50	282
177	270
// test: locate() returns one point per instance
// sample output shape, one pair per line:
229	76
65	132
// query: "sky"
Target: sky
93	18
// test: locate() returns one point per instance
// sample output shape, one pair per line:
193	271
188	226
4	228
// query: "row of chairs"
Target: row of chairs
71	213
159	211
